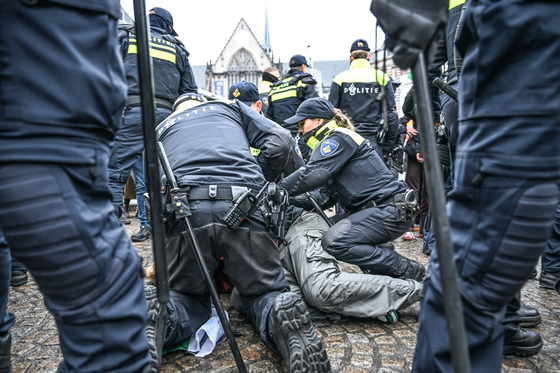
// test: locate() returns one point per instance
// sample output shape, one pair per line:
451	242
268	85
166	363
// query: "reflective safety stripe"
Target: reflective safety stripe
361	72
155	53
255	152
283	93
353	135
322	133
454	3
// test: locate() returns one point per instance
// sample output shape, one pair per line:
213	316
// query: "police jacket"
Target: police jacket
173	74
286	96
62	87
349	164
355	91
263	94
210	145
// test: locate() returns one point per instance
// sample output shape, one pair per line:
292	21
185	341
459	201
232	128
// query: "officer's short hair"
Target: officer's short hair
359	54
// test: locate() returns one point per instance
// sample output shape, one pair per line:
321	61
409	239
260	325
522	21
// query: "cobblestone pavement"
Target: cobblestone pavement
352	345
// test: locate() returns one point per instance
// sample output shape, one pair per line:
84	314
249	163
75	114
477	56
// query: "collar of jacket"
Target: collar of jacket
321	134
360	63
265	87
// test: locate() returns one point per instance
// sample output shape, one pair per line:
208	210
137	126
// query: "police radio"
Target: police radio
243	207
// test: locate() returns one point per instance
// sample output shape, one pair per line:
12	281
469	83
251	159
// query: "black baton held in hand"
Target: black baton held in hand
146	77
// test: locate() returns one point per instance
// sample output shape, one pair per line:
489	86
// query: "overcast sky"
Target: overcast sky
328	27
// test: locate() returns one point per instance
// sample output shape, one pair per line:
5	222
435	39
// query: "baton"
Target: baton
442	229
201	263
318	208
446	88
151	166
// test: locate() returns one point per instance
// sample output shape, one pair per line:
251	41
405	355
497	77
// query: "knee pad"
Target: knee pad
335	233
523	242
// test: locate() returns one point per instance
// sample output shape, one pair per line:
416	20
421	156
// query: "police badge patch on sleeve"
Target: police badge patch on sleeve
328	147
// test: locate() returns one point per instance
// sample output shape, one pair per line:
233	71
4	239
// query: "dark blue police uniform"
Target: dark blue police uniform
62	95
173	76
219	155
507	168
550	262
349	165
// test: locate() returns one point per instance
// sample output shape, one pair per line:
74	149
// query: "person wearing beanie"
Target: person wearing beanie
355	92
287	94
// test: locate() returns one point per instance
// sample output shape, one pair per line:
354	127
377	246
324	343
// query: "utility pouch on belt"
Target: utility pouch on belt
407	205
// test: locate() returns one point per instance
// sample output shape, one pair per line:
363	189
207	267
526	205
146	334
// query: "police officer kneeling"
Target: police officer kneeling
208	146
380	207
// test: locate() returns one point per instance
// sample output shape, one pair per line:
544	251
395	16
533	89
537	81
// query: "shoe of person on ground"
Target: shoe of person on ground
531	316
548	279
294	335
525	342
408	236
142	235
390	318
155	329
19	278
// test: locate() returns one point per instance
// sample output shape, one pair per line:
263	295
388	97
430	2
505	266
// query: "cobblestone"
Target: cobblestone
353	345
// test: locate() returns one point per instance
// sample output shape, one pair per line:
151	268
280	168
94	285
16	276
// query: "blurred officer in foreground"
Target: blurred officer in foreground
287	94
63	91
507	170
208	146
551	257
172	76
270	76
355	92
349	165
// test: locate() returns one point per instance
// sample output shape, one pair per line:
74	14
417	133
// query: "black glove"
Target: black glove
410	26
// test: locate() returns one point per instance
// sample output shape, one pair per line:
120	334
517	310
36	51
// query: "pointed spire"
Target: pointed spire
266	41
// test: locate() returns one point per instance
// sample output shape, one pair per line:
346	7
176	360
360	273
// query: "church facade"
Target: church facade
242	58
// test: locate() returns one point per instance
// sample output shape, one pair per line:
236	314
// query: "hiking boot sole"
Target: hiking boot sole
19	280
154	328
530	322
522	351
305	350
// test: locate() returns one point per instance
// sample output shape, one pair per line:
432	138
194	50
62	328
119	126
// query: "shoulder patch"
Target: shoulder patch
328	147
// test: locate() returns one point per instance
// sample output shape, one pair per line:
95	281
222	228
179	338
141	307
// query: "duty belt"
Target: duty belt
406	204
133	100
214	192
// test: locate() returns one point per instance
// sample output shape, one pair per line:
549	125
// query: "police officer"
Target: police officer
63	92
7	320
208	148
172	76
287	94
364	186
506	172
355	92
270	76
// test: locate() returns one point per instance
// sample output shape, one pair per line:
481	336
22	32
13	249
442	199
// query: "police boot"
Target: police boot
548	279
19	278
156	328
525	342
142	235
531	316
294	335
410	269
5	345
